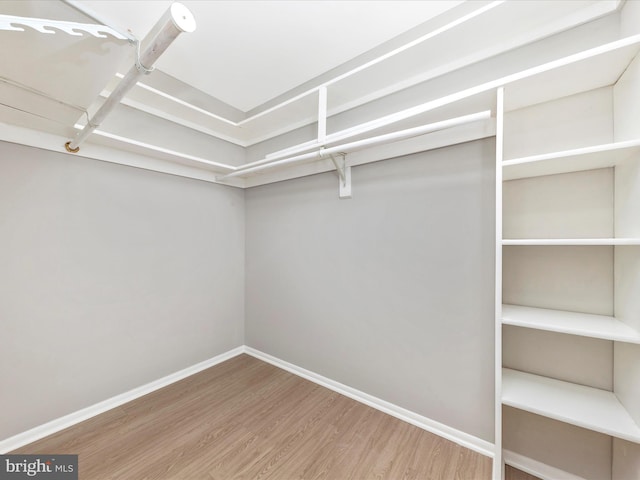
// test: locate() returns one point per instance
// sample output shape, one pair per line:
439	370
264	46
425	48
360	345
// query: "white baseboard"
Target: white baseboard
61	423
535	468
461	438
469	441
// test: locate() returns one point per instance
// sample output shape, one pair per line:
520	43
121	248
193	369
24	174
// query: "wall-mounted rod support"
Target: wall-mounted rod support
364	143
176	20
344	172
339	168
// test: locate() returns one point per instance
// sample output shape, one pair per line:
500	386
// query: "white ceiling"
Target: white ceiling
248	52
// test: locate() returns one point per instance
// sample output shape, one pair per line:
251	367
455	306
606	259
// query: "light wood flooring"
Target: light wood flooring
515	474
246	419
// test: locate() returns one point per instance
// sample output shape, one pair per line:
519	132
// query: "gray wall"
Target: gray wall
390	292
110	277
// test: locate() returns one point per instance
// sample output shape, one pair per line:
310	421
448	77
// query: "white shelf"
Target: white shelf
585	407
575	160
571	241
594	68
573	323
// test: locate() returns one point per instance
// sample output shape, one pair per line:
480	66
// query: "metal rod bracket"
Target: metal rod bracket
344	172
67	146
141	68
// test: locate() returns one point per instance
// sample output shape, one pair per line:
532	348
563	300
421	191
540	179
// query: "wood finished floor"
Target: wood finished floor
515	474
246	419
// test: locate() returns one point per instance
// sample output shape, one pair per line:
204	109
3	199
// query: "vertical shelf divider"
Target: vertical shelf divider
498	463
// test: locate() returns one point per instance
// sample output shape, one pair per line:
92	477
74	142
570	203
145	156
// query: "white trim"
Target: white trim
71	419
604	148
535	468
571	241
198	127
160	150
106	150
461	438
498	462
160	93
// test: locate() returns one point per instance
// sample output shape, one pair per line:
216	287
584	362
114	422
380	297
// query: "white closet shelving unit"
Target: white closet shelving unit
569	212
573	323
579	405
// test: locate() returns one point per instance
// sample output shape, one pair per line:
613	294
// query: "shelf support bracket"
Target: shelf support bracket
43	25
344	174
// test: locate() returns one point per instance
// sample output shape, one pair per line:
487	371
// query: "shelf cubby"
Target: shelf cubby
587	407
573	323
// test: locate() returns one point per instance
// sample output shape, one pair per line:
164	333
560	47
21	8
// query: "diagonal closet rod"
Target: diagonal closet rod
323	153
176	20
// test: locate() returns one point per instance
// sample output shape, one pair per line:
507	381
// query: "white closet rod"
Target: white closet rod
176	20
350	132
364	143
